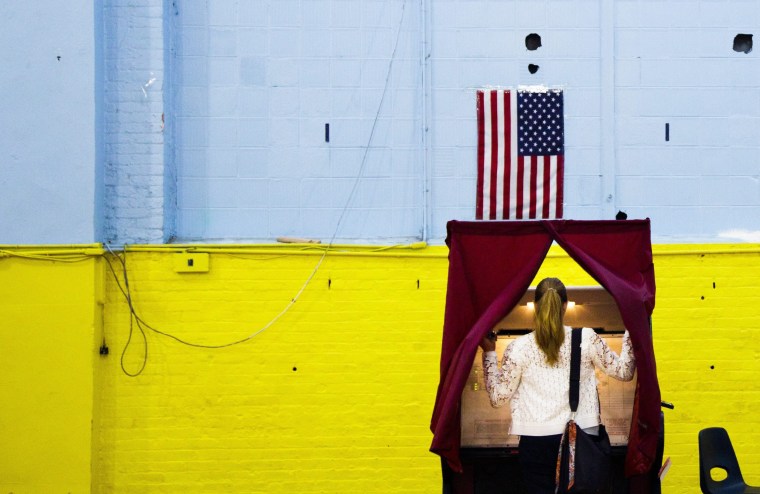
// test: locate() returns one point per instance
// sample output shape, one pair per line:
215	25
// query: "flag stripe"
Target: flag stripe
525	184
560	185
481	163
542	165
512	211
549	163
494	155
507	154
487	156
499	196
533	186
519	189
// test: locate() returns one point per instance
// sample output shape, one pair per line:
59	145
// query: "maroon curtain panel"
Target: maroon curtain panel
491	265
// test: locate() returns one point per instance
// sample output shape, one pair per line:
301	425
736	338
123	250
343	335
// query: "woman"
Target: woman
535	375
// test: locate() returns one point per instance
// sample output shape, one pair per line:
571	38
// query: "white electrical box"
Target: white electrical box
186	262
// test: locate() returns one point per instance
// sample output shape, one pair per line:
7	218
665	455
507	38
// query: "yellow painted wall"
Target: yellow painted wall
48	320
335	396
706	331
707	341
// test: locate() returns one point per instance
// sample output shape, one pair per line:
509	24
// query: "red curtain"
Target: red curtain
491	265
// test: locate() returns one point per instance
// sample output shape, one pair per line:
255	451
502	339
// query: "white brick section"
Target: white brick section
138	197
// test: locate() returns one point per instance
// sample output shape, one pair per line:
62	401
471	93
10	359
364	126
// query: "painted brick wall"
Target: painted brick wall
675	66
206	120
707	345
136	169
628	70
337	395
257	84
476	44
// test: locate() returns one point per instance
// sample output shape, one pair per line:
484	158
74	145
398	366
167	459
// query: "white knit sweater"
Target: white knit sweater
539	392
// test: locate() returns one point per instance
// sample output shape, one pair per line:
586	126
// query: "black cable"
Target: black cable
132	315
142	325
135	319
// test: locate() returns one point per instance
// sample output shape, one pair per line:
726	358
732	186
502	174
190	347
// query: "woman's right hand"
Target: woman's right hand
488	342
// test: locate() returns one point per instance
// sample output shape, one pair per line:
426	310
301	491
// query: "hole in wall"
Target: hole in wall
743	43
532	68
532	41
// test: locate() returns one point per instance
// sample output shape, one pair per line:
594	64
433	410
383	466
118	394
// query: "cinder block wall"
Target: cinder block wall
707	344
335	396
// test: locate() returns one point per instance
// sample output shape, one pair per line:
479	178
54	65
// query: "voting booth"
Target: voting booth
491	265
483	426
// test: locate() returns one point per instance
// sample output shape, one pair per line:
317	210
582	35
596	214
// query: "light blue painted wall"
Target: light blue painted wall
48	113
675	64
213	115
258	82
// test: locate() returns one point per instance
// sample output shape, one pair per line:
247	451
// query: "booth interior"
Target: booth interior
488	451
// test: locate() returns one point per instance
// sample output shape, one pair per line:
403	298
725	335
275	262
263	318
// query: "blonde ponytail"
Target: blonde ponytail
550	331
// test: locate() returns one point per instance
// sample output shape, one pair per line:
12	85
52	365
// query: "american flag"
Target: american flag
520	154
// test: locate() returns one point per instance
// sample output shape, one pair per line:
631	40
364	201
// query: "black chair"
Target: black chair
716	451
